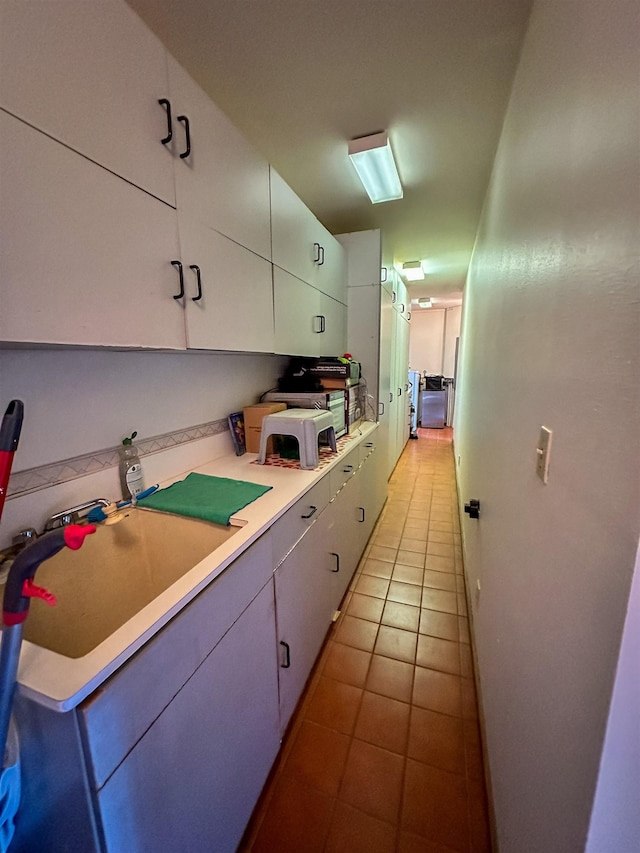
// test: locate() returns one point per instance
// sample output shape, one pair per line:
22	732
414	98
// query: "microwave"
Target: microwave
333	401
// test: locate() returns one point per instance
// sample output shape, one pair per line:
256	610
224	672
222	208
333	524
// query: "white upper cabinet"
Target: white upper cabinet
228	293
90	75
221	181
85	255
302	246
307	322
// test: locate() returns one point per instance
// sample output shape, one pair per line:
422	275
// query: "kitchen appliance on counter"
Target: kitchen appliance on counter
333	401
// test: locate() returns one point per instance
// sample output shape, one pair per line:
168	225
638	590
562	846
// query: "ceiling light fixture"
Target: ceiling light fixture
412	271
376	168
425	303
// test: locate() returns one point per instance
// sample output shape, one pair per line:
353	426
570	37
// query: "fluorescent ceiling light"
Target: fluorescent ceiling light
425	303
412	271
376	168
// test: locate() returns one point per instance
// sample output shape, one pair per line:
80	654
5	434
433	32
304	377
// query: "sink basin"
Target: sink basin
119	570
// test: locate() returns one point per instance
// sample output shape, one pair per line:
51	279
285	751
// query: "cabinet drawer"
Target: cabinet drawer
116	716
365	449
297	519
346	468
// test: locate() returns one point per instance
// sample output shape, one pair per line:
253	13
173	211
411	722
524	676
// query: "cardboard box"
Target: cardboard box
253	416
335	384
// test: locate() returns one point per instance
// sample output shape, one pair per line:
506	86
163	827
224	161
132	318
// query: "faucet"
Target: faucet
73	515
60	519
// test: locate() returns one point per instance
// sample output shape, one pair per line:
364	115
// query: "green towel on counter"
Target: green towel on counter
208	498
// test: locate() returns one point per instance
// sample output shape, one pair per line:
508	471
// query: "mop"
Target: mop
19	590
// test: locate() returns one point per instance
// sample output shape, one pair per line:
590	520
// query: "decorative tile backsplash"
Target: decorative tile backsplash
23	482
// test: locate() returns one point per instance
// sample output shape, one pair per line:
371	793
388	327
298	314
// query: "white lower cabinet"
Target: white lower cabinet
347	544
192	781
304	610
172	751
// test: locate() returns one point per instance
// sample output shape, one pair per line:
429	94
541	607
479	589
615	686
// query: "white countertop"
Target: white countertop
61	682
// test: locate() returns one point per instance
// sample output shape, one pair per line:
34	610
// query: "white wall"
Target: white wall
432	340
452	323
551	335
81	401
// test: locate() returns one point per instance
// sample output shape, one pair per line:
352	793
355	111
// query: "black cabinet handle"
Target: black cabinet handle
369	444
383	275
381	408
178	266
402	307
287	655
196	270
187	132
167	105
399	392
323	321
321	260
394	296
337	556
361	520
347	469
309	514
409	316
391	396
316	257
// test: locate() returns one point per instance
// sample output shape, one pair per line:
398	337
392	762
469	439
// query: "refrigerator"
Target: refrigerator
433	409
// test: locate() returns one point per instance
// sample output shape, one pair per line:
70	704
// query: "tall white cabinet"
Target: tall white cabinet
378	337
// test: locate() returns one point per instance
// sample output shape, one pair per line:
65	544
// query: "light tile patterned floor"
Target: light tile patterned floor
383	755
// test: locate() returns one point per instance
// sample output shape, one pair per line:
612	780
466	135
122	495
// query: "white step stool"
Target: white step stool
306	425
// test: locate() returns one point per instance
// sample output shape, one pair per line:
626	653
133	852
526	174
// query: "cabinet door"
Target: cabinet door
304	609
302	246
86	255
329	273
371	497
90	75
297	320
404	407
192	781
235	308
332	339
293	234
223	182
346	540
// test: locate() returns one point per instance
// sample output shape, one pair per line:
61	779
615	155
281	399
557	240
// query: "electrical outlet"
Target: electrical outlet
543	453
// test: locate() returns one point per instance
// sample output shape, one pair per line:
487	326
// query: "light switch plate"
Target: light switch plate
543	452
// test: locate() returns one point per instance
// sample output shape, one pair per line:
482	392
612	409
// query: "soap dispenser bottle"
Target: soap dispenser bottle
131	476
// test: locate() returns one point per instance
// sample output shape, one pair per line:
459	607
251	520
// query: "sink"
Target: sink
119	570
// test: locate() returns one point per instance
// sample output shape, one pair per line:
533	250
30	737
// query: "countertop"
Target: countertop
61	683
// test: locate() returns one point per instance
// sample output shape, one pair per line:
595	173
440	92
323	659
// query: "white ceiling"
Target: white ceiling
301	77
